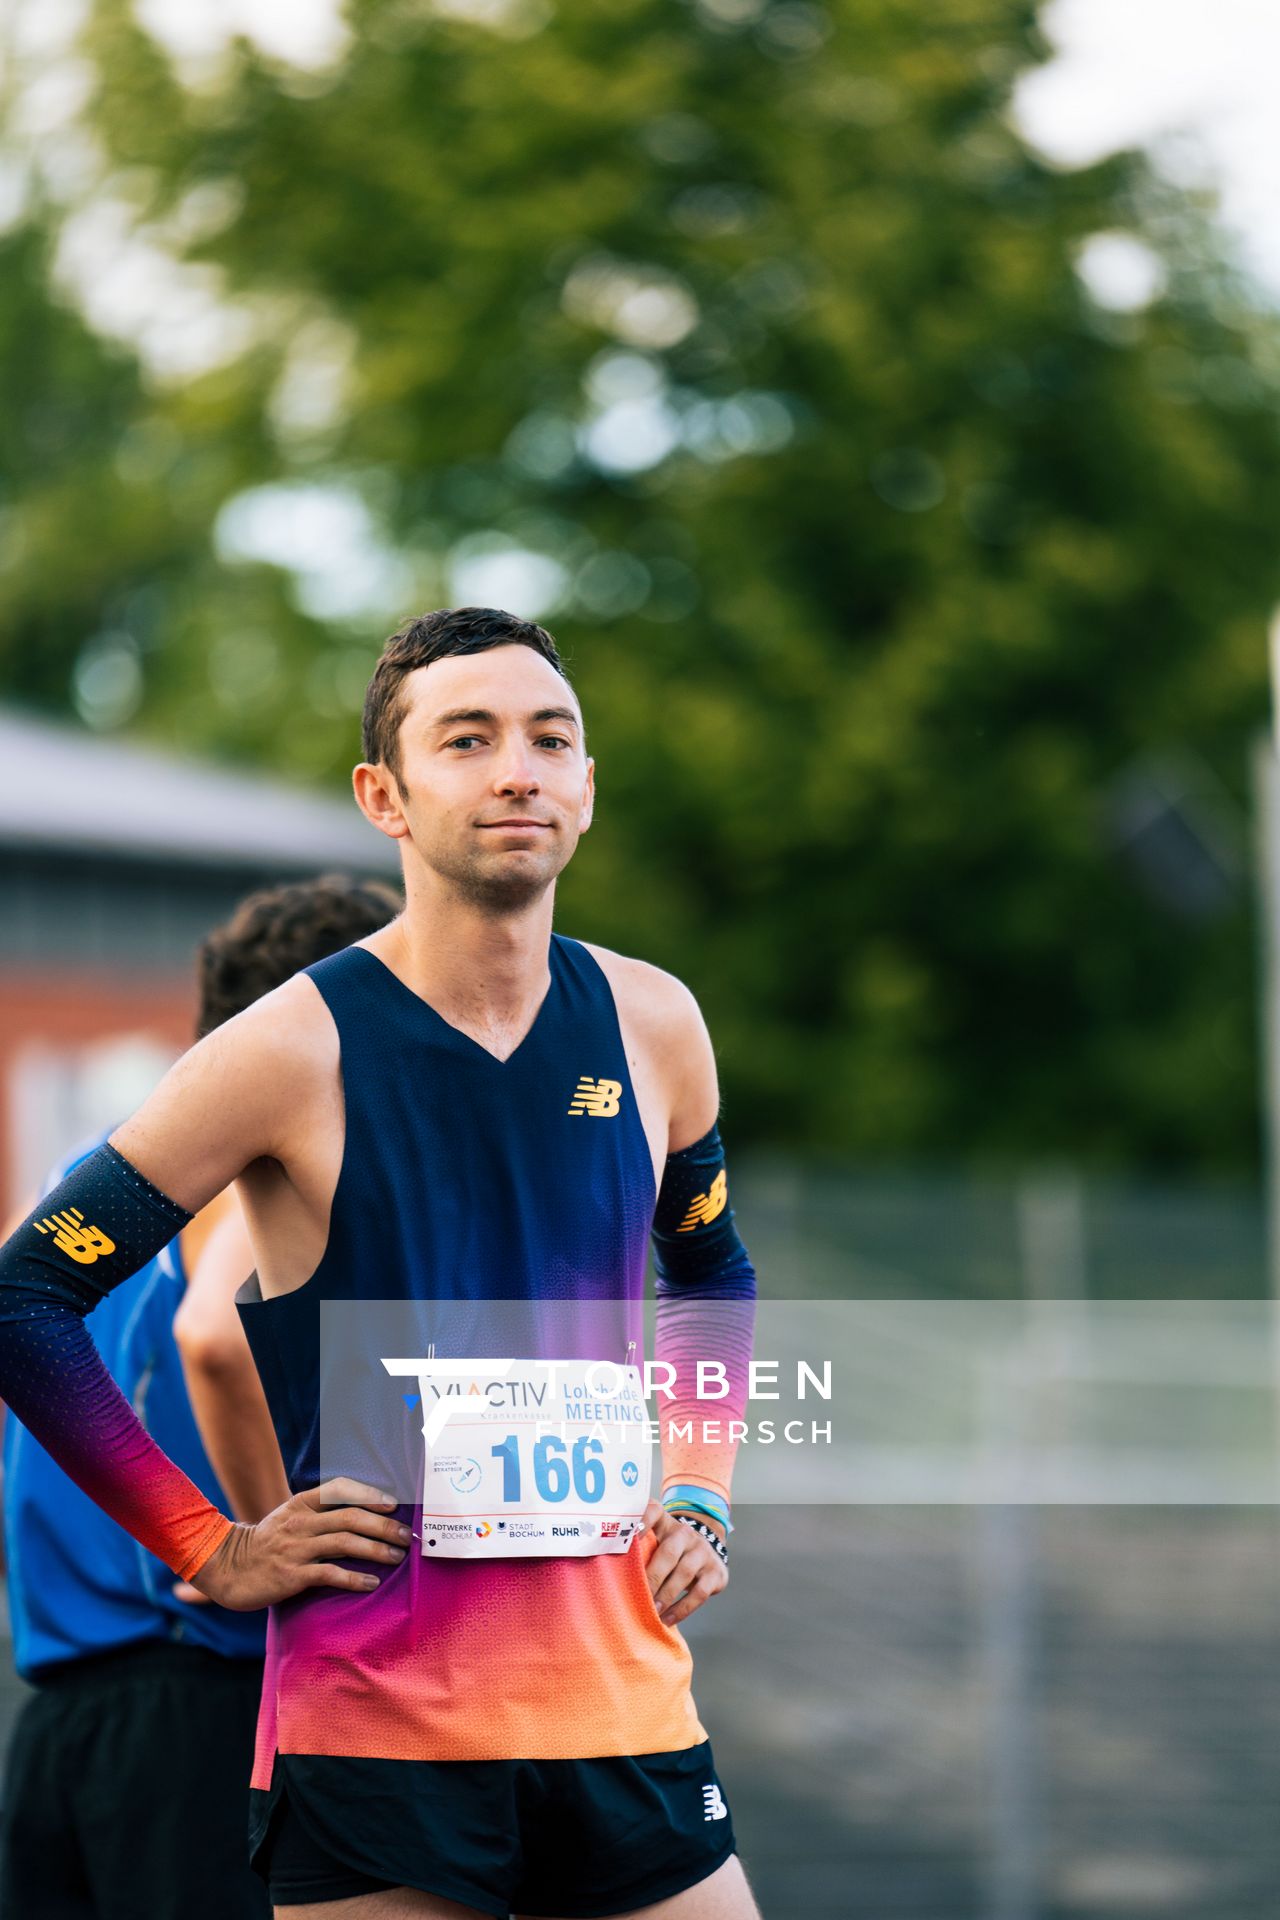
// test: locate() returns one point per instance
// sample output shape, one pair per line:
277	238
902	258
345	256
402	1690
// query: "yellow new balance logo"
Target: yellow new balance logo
70	1235
597	1097
705	1206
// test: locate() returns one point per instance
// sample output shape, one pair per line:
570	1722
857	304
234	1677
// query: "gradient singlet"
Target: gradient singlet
465	1177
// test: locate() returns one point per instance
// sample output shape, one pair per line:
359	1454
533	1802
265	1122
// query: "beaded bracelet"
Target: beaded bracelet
708	1533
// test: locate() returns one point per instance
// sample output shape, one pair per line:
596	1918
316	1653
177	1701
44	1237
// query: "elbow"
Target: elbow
213	1356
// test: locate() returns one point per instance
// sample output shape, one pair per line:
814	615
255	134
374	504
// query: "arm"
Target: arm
706	1285
11	1225
101	1223
225	1103
705	1292
227	1400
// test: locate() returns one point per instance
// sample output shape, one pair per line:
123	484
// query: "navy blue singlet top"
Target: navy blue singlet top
465	1178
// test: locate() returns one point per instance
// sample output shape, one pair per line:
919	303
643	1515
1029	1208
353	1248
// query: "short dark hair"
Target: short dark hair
275	932
438	636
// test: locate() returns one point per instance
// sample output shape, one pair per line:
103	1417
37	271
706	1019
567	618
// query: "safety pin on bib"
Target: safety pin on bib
431	1354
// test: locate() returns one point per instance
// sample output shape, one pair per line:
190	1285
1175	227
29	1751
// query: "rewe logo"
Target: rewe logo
70	1235
597	1097
713	1807
704	1207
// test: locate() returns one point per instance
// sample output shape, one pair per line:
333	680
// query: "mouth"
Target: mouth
515	826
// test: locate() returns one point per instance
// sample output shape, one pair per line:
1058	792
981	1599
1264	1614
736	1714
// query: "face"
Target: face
495	786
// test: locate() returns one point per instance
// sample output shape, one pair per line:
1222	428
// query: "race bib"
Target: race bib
545	1457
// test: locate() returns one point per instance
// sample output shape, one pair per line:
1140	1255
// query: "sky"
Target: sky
1192	80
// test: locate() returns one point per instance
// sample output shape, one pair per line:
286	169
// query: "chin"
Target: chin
509	883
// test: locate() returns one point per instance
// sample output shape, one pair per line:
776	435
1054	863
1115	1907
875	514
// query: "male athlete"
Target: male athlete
462	1107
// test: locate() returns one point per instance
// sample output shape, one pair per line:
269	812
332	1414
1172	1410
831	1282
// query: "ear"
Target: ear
378	797
588	807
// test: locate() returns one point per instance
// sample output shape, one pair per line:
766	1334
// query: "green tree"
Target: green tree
896	571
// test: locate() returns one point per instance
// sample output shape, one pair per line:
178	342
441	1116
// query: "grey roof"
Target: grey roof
69	790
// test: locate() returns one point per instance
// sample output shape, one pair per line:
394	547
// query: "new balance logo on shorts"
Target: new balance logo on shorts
713	1807
597	1097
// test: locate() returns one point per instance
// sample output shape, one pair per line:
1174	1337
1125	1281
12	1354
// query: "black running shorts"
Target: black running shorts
577	1839
127	1787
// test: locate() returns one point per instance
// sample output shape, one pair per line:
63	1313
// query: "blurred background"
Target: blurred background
879	402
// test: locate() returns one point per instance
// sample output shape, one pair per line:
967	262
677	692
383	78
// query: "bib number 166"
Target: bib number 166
556	1470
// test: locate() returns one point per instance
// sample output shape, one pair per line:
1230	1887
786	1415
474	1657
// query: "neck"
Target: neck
484	971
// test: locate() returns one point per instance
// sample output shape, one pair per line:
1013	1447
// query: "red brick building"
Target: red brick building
114	860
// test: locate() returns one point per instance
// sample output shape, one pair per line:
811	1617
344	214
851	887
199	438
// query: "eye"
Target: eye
554	740
464	740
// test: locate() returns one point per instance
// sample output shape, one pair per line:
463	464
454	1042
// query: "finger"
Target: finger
183	1590
665	1526
325	1574
354	1546
675	1584
674	1590
359	1520
699	1593
343	1492
664	1560
652	1513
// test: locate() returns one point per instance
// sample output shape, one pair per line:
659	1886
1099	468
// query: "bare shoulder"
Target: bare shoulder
654	999
292	1020
237	1096
287	1033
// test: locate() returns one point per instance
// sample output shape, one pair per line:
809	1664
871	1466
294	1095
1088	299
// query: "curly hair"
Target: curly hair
438	636
275	932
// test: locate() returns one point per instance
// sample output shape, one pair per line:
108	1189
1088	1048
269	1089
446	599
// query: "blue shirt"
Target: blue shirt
78	1583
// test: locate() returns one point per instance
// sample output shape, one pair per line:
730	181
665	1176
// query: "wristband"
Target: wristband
699	1500
708	1533
681	1508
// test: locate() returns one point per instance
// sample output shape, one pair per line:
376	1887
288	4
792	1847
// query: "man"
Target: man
146	1693
464	1107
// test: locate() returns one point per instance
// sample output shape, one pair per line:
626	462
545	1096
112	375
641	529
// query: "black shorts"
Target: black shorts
573	1838
127	1787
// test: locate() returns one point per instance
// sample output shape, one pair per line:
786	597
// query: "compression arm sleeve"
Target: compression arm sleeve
706	1294
95	1229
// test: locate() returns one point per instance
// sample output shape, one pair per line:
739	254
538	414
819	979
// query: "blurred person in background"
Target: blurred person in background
147	1692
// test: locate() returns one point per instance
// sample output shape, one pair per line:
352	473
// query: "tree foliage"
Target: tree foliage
915	596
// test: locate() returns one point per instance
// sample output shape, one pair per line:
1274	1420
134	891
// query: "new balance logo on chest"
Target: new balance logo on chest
599	1098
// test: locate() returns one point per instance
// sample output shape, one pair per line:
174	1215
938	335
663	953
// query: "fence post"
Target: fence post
1053	1260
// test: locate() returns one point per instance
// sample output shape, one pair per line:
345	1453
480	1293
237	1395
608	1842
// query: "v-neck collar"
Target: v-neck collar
433	1013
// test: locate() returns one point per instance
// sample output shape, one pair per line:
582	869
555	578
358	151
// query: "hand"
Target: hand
683	1570
297	1545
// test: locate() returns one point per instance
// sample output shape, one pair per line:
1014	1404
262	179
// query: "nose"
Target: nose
516	774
